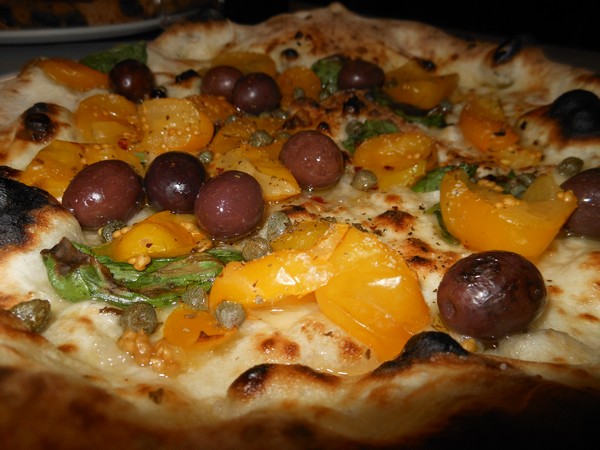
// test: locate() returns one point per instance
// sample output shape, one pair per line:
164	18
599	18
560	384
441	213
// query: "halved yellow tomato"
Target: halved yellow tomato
483	218
74	74
413	85
397	159
174	124
107	118
160	235
186	327
484	124
294	78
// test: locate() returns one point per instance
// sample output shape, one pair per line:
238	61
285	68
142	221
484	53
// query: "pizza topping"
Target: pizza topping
360	74
585	220
139	316
364	180
570	166
172	181
256	92
230	314
132	79
35	314
220	80
412	84
314	159
397	159
482	217
230	205
578	113
174	124
104	191
74	74
491	294
107	118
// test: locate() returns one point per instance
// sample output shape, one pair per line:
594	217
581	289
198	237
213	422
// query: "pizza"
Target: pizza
320	231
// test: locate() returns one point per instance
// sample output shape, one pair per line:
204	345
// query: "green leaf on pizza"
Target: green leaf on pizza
77	274
328	69
105	60
433	179
360	131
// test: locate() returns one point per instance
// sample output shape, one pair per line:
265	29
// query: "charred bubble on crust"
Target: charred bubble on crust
290	54
186	75
422	347
353	106
37	124
17	204
577	113
507	50
255	381
394	219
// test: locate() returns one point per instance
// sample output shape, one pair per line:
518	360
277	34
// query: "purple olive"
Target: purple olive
104	191
360	74
314	159
220	80
255	93
230	205
132	79
585	220
491	294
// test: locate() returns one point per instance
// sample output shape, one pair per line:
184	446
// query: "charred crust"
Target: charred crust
37	124
395	219
18	203
507	50
422	347
257	380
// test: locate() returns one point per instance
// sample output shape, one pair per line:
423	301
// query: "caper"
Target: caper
206	156
108	230
255	247
140	316
35	314
570	166
277	223
260	138
364	180
230	314
196	298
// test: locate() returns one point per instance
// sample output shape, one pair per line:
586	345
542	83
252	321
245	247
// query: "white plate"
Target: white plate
73	34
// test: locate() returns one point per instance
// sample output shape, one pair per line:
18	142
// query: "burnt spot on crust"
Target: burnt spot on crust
37	124
507	50
422	347
577	113
257	380
17	205
395	220
278	347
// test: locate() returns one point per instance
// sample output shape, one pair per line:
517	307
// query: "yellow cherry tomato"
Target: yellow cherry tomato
161	235
397	159
373	294
186	326
295	79
74	74
174	124
413	85
484	124
483	218
107	118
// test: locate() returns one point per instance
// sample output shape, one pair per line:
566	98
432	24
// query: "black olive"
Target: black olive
585	220
360	74
491	294
255	93
132	79
104	191
230	205
577	113
220	80
172	181
314	159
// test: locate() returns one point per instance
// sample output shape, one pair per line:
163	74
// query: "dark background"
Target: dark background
572	24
